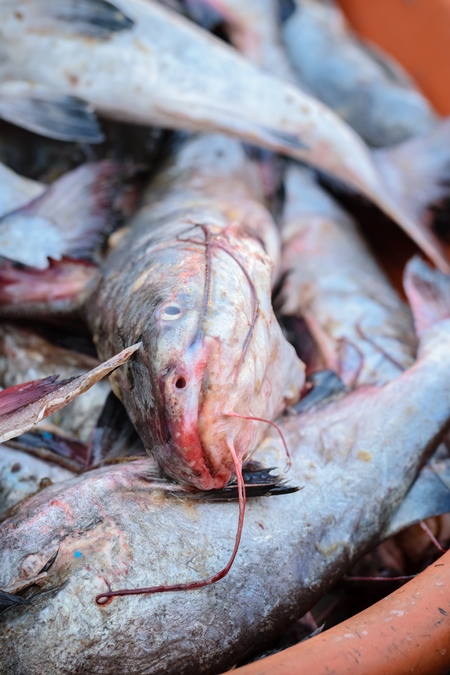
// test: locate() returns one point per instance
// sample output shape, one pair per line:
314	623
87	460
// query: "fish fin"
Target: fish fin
49	113
8	600
26	416
204	12
71	218
428	496
24	394
26	292
428	293
258	481
286	8
91	18
67	452
323	384
418	170
114	435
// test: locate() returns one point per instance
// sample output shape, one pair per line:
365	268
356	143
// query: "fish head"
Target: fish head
211	347
175	373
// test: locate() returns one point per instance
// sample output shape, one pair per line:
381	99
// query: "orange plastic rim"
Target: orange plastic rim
406	632
416	33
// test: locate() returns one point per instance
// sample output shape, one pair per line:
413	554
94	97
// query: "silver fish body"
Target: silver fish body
363	86
362	328
355	457
143	63
192	278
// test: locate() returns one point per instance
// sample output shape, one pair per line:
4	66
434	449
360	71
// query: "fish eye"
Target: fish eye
170	312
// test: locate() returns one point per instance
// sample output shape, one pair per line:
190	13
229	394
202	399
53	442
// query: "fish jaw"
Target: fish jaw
184	457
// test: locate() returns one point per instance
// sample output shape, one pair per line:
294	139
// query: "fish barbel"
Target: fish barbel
355	457
192	277
139	62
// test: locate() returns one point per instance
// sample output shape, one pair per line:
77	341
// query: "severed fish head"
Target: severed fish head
213	353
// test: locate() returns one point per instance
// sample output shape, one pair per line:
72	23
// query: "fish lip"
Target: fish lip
183	456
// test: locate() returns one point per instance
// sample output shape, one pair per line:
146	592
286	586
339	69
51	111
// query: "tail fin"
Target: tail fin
418	171
416	174
32	293
48	113
72	217
428	293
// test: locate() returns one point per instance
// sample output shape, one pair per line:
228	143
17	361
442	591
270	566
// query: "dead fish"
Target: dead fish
98	49
362	328
25	356
112	528
16	191
359	82
191	278
76	212
45	111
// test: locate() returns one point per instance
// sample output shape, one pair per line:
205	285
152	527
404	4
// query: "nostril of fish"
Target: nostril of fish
181	383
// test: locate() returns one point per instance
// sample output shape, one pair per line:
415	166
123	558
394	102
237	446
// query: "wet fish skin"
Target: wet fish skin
192	278
362	328
355	474
365	87
185	88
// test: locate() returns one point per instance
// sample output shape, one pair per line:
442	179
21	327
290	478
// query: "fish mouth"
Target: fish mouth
184	457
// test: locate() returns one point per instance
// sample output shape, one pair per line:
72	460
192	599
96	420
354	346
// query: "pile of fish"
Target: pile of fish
245	324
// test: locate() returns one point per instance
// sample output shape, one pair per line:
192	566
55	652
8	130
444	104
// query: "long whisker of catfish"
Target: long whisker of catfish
104	598
274	425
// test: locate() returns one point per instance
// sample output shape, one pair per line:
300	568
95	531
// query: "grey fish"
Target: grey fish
191	277
111	527
171	73
362	85
362	328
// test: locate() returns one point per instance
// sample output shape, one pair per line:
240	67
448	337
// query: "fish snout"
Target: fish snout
185	458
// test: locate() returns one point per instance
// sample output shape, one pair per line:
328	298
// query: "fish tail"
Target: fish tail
83	206
49	113
417	175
